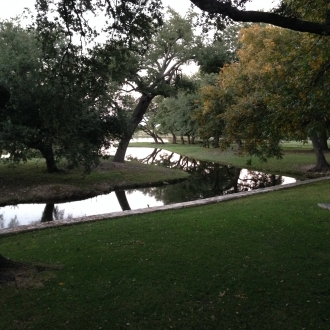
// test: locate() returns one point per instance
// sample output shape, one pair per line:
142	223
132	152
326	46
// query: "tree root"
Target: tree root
319	169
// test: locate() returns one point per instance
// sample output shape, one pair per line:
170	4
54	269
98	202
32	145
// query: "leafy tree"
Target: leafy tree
220	51
124	21
209	112
60	113
175	115
277	90
214	58
293	15
159	69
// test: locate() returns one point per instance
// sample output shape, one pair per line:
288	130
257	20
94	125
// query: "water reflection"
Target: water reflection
122	199
52	212
207	179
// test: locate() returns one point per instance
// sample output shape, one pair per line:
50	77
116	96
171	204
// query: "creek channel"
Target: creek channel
207	179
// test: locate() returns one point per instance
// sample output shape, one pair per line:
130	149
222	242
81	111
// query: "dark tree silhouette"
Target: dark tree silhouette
228	9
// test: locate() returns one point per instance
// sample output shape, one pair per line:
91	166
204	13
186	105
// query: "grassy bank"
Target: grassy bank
297	159
29	182
255	263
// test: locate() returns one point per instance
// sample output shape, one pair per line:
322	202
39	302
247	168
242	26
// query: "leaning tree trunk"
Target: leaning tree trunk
321	162
154	136
136	118
159	138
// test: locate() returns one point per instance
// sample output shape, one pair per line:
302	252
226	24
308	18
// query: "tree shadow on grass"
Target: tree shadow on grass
24	275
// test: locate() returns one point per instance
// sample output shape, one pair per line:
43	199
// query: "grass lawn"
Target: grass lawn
30	182
297	158
261	262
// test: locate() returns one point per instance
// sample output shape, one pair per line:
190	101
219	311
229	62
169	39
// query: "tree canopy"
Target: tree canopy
159	72
60	108
277	90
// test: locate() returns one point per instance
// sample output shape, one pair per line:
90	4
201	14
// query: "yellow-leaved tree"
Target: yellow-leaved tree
278	89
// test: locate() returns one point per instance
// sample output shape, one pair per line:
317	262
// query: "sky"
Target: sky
12	8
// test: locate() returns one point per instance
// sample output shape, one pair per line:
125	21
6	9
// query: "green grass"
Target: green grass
261	262
296	160
34	172
30	182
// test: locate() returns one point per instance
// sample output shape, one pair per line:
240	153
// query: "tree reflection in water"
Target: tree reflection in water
51	212
207	179
13	222
123	202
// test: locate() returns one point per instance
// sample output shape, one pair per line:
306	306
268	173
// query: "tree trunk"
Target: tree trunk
189	141
136	118
48	154
154	136
216	141
321	162
182	139
174	138
324	140
159	138
239	145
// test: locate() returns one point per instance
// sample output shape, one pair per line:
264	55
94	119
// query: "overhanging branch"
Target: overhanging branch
226	9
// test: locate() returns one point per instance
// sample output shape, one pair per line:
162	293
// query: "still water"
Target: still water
207	179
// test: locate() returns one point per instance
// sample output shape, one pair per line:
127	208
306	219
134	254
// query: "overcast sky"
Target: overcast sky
12	8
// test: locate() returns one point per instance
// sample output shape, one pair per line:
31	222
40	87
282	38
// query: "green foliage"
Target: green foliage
128	25
175	114
277	90
222	50
61	106
159	69
174	44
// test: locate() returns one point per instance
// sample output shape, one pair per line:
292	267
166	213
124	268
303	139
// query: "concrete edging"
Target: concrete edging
116	215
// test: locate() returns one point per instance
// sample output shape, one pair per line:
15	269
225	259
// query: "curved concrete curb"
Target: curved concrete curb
115	215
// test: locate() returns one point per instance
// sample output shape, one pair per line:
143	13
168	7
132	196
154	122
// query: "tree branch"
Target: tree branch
228	10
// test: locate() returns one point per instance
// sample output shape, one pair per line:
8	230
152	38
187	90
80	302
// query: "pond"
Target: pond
207	179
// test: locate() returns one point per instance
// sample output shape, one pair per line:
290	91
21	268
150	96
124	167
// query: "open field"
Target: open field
256	263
